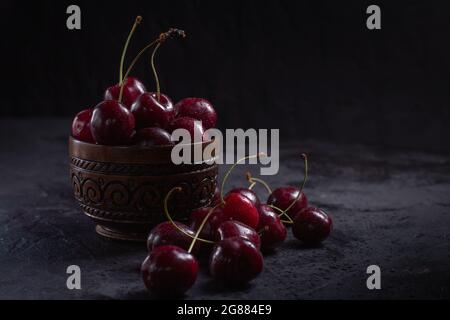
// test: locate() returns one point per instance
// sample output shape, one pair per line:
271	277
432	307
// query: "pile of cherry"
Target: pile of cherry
233	231
129	115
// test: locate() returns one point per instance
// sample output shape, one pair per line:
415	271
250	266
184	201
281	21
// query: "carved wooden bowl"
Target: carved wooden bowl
123	188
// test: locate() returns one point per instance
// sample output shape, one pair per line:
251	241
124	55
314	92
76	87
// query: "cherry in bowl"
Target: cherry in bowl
81	126
132	89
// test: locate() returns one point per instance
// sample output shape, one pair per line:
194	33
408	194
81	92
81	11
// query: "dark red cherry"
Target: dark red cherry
132	89
248	193
149	112
272	230
194	127
197	108
283	197
81	126
230	229
153	136
239	207
216	218
112	123
166	233
312	226
169	271
235	261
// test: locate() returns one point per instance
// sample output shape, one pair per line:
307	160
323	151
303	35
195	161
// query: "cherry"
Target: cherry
81	126
112	123
312	226
235	261
290	200
169	271
217	217
272	230
153	136
197	108
166	233
239	207
193	126
149	112
132	89
283	197
250	194
230	229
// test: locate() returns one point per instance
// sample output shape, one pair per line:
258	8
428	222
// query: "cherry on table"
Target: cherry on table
235	261
81	126
153	136
239	207
272	230
230	229
132	89
284	196
312	226
166	233
149	112
112	123
199	109
250	194
169	271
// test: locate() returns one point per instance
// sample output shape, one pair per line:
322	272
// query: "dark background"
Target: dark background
311	68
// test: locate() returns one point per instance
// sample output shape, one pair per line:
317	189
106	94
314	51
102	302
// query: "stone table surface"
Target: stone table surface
390	208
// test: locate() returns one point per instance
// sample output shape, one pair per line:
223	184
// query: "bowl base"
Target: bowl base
118	234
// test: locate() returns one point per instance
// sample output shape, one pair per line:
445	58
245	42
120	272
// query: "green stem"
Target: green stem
201	228
152	61
302	186
137	21
253	180
232	168
166	211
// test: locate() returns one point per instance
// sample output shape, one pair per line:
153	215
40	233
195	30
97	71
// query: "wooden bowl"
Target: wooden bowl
123	188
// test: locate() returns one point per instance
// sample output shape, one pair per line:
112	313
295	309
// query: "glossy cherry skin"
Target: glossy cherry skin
283	197
193	126
272	230
248	193
211	225
239	207
197	108
169	271
154	136
81	126
149	112
166	233
312	226
235	261
132	89
112	123
231	229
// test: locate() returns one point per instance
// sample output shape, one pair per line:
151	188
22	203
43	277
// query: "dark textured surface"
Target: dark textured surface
390	207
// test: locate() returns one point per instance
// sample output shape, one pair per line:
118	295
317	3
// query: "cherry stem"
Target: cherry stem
137	21
161	38
282	213
232	168
152	61
253	180
305	158
166	211
250	187
201	227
